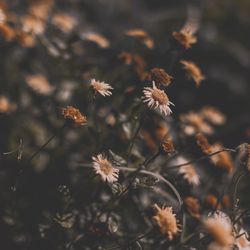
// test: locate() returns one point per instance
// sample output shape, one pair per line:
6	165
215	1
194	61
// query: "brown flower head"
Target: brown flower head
104	168
220	228
193	206
74	115
5	105
203	143
213	115
40	84
193	122
212	201
166	220
185	37
159	76
7	32
168	146
143	36
157	98
193	71
33	25
223	159
97	38
64	22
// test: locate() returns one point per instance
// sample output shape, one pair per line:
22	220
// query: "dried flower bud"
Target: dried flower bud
5	105
166	221
212	201
193	71
167	146
220	228
143	36
74	115
203	143
185	37
159	76
193	206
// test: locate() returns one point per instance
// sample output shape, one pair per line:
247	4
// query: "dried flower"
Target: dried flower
157	98
74	115
193	71
25	39
190	174
104	168
203	143
213	115
220	228
40	84
212	201
64	22
8	33
99	39
194	122
142	35
185	37
33	25
193	206
159	76
223	159
166	220
5	105
101	87
138	62
168	146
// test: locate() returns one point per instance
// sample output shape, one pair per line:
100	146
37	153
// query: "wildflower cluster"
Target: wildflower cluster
104	142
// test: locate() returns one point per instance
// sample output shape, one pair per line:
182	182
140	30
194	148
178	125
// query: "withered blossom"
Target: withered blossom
213	115
193	206
63	21
40	84
193	72
168	146
220	228
203	143
104	168
32	24
102	88
223	159
212	201
74	115
185	37
190	175
5	105
7	32
159	76
25	39
142	35
193	122
157	99
139	64
166	220
97	38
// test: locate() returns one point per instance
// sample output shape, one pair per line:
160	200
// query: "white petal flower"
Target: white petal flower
104	168
101	87
157	98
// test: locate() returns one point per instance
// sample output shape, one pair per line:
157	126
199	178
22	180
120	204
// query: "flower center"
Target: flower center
106	168
160	96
